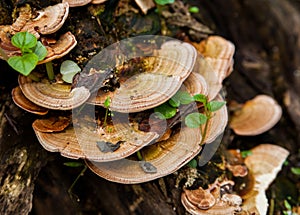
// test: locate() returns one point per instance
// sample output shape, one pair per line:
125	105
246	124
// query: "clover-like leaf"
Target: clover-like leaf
194	120
40	50
24	40
165	111
23	64
200	98
181	97
215	105
69	69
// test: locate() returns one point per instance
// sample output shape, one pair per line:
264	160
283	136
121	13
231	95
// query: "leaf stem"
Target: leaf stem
33	77
76	179
49	69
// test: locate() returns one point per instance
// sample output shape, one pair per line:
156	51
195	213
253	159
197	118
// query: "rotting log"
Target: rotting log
267	61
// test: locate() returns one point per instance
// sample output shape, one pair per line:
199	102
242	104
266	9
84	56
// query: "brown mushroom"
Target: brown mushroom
98	1
52	124
45	21
55	96
24	103
5	43
113	142
164	157
164	75
59	48
264	163
256	116
218	52
199	198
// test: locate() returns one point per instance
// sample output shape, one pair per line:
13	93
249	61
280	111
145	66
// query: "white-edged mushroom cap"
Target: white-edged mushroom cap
256	116
56	96
77	3
45	21
264	163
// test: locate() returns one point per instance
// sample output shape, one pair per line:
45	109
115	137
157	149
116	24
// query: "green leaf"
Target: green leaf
215	105
287	205
295	170
40	50
193	9
181	97
23	64
164	2
68	69
246	153
194	120
200	98
165	111
24	40
107	102
73	164
193	163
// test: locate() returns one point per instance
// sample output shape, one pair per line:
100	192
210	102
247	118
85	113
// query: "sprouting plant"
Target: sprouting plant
32	52
193	120
193	9
106	105
68	69
164	2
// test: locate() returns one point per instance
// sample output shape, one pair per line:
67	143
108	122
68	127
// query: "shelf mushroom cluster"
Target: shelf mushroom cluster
144	83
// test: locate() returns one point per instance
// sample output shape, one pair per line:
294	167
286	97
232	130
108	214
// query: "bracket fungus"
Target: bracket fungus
264	163
256	116
135	81
54	96
24	103
45	21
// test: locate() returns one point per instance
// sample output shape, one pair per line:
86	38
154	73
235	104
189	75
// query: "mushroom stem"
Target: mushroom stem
3	54
49	69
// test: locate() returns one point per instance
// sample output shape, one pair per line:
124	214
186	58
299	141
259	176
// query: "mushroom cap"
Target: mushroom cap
81	142
198	198
256	116
98	1
219	53
56	96
47	21
52	124
24	103
5	42
60	48
166	157
166	70
145	5
264	163
77	3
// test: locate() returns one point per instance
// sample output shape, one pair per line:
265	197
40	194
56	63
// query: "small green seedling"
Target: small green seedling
69	69
106	105
295	170
32	51
194	9
246	153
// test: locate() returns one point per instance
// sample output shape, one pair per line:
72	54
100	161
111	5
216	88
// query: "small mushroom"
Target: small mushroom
256	116
45	21
24	103
264	163
199	198
59	48
166	156
52	124
56	96
161	79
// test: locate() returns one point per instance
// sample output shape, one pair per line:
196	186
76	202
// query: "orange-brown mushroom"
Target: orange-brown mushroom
256	116
59	48
24	103
45	21
52	124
